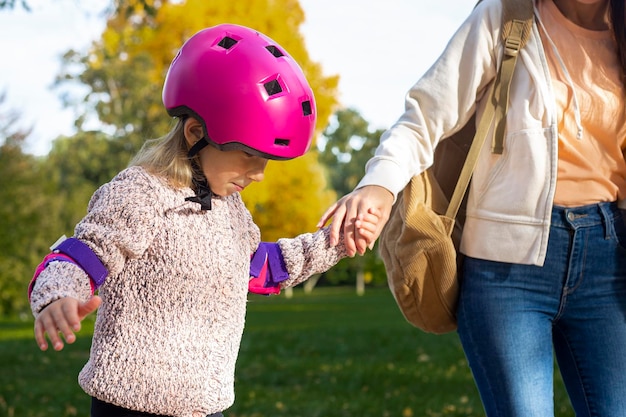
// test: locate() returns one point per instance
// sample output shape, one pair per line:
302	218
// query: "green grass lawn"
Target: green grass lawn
329	353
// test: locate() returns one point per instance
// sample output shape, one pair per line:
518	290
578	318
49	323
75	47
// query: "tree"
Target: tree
10	4
121	6
124	73
125	69
347	145
76	166
24	214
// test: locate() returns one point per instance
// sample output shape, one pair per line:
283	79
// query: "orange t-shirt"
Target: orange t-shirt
591	168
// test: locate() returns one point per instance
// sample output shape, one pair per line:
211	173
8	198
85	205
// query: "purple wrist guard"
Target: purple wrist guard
84	257
270	254
52	257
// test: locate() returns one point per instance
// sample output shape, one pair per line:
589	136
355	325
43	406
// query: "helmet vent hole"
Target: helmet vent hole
273	87
281	142
275	51
306	108
227	42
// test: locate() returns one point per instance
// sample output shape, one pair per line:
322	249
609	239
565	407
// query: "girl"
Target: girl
544	238
168	242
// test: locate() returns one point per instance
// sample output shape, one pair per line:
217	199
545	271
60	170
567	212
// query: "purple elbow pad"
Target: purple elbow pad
85	258
268	263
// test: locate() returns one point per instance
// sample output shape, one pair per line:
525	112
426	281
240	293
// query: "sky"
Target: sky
378	49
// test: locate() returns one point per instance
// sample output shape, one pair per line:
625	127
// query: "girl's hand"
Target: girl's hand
366	225
62	317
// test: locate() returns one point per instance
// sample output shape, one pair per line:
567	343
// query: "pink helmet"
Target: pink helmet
246	90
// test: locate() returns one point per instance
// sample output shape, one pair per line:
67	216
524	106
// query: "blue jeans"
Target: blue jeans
513	317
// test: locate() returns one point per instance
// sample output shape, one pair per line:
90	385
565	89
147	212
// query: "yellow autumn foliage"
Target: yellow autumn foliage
131	61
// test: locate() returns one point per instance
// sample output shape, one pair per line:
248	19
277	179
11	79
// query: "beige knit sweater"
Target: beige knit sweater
168	332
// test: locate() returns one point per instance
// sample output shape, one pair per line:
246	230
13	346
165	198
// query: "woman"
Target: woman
544	239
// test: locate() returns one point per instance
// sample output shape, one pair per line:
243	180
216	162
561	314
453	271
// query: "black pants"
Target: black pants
102	409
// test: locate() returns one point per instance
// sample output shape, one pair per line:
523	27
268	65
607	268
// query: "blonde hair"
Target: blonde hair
167	157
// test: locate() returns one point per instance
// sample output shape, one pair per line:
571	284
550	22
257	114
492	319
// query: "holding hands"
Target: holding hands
353	213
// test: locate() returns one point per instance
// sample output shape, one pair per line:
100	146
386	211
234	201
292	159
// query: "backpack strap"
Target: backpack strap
517	19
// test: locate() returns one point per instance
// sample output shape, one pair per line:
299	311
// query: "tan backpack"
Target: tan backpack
419	243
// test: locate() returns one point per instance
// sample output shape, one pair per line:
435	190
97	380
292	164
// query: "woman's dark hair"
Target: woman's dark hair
618	23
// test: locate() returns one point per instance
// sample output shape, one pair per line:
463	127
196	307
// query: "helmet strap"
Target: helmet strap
197	147
203	193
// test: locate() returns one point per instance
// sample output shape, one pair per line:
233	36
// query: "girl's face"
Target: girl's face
228	172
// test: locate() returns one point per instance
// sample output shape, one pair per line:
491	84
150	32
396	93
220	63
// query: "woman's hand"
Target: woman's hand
349	213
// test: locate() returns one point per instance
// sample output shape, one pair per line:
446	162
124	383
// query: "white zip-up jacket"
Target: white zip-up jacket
511	195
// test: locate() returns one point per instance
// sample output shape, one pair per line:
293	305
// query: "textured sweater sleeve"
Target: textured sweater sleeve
58	280
309	254
122	218
119	224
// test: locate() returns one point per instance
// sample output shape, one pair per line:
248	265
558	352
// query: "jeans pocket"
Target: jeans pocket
619	229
